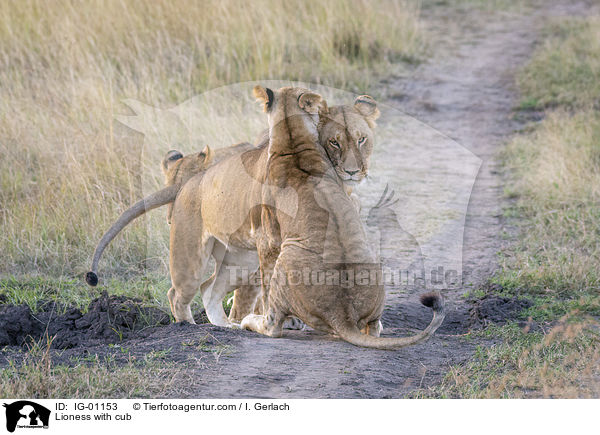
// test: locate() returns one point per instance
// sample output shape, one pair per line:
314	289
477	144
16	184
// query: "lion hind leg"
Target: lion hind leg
227	280
374	328
212	299
180	299
187	265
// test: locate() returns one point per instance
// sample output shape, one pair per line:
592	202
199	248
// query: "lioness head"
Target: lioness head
345	132
178	169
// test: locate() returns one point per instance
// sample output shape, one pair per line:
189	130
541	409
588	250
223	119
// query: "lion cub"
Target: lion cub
177	171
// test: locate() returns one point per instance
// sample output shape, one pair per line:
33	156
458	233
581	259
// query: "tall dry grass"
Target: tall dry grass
67	169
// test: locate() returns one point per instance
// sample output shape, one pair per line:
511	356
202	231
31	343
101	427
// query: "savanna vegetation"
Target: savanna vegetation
554	189
68	167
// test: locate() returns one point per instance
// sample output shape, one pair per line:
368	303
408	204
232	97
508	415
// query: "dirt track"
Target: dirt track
466	91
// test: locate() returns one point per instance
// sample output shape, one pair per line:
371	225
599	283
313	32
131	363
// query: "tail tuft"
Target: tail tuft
91	278
432	300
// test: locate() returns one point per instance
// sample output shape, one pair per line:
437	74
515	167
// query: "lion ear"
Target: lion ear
170	158
310	102
323	109
367	107
264	96
208	154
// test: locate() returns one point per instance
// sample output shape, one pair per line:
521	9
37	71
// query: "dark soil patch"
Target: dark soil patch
461	316
411	314
495	309
113	319
108	319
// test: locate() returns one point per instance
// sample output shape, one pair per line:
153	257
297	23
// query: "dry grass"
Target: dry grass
557	170
67	168
565	70
564	363
36	376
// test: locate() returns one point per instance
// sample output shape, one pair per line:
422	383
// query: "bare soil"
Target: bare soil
466	91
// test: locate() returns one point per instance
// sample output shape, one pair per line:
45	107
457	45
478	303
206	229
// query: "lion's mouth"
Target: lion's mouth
352	179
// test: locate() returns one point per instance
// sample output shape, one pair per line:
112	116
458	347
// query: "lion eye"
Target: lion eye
362	140
334	144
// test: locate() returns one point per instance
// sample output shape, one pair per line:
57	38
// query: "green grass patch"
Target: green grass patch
556	177
554	188
34	291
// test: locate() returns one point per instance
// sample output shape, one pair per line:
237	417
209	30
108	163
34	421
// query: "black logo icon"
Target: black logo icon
26	414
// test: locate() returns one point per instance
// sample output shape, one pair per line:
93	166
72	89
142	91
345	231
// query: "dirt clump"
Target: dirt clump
108	319
17	325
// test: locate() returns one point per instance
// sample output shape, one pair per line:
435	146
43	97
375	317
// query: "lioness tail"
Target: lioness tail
433	300
157	199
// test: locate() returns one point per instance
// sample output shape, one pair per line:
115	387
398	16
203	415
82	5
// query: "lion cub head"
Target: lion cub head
346	134
178	169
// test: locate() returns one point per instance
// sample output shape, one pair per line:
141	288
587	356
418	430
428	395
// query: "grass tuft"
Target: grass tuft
565	71
37	377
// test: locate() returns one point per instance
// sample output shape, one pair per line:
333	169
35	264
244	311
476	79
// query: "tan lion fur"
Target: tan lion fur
177	170
291	207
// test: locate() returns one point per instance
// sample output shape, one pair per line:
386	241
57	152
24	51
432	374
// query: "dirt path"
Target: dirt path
466	91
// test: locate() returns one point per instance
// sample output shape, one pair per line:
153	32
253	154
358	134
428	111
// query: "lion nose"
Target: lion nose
351	172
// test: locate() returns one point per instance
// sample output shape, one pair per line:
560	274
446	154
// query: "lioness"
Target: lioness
344	131
290	206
